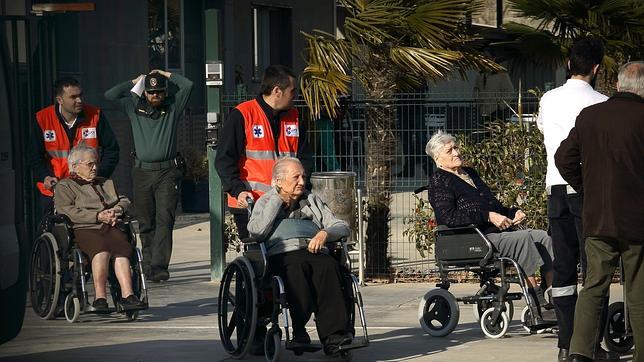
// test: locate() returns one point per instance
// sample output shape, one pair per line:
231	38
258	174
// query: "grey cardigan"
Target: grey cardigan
270	208
82	200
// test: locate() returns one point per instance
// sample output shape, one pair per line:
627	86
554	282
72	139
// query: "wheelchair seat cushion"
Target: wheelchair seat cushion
290	235
107	238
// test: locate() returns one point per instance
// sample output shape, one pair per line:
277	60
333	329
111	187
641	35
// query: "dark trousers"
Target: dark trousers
603	257
156	193
313	284
564	216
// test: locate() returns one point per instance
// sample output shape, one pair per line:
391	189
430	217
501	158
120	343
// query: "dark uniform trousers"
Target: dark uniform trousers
156	194
564	216
313	284
603	257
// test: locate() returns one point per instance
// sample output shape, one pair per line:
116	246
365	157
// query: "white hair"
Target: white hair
437	142
279	168
631	78
76	155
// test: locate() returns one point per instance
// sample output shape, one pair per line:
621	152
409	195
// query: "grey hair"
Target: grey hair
437	142
631	78
279	168
76	155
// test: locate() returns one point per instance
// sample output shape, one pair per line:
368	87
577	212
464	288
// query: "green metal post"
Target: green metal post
213	100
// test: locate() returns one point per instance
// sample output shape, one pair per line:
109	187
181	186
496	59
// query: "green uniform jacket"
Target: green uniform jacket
155	139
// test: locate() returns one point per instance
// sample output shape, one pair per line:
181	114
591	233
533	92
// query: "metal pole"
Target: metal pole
212	27
360	240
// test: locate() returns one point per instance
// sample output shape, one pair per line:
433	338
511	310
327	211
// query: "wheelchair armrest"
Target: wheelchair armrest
60	219
440	228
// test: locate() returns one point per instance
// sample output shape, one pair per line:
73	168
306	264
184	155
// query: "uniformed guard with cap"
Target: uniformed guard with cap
158	168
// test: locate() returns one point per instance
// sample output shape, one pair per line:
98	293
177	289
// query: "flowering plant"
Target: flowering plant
420	226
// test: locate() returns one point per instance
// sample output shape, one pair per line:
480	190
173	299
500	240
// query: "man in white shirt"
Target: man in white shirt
558	110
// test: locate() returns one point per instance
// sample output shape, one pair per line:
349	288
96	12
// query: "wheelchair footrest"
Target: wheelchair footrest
303	347
355	345
542	325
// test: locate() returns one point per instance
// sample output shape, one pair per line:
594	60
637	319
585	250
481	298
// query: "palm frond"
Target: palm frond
433	64
433	23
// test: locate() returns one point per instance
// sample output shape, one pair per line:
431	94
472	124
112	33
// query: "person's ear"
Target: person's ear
568	65
59	99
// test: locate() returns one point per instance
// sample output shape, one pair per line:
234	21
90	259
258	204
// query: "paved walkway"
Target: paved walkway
181	324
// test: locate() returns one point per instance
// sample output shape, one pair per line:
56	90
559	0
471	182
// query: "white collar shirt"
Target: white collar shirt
558	110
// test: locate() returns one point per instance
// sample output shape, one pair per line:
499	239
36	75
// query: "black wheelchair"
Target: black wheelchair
59	273
467	249
250	297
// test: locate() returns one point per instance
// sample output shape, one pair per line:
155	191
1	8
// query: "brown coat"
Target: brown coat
80	200
603	158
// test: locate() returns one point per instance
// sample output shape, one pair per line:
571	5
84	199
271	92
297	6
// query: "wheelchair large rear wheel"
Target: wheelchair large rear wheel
237	308
491	328
616	337
44	277
438	312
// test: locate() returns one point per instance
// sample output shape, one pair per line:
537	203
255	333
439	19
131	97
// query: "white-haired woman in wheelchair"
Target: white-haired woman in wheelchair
95	208
460	197
312	276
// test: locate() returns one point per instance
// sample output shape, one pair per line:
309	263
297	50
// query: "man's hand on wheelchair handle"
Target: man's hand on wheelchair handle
317	242
241	199
49	182
500	221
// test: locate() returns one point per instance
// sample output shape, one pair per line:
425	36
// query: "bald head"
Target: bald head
631	78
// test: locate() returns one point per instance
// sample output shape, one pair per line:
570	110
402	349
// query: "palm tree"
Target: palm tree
619	24
389	46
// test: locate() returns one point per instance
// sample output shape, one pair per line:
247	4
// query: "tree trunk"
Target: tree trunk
379	84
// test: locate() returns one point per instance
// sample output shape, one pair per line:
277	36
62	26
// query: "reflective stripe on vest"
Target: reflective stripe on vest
57	145
260	150
564	291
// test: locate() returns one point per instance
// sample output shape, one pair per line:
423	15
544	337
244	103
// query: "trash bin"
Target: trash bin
338	190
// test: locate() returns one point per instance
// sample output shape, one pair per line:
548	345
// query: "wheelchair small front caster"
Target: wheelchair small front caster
494	329
526	315
72	308
273	344
617	338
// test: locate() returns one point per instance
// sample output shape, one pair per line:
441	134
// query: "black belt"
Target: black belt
155	166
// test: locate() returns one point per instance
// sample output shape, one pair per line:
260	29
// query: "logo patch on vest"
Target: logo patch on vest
89	133
291	130
258	131
49	135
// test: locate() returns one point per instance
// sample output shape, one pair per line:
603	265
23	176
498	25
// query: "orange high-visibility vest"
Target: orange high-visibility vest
261	153
56	143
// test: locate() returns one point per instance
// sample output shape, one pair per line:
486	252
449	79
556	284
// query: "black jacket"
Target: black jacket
231	148
457	203
603	159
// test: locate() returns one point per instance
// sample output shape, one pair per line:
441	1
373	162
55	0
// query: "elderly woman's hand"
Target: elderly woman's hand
107	217
499	220
519	216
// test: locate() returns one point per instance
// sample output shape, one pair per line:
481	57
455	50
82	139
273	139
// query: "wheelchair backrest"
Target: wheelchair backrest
461	246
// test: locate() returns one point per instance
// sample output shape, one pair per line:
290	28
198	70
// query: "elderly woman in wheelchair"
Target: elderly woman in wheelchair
92	213
300	239
463	202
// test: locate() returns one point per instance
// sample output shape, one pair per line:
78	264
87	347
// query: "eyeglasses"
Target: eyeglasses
89	164
159	91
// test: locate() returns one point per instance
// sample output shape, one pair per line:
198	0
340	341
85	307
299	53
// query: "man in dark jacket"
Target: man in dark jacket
602	158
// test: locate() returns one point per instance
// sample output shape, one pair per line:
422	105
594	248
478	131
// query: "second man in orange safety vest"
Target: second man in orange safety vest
256	133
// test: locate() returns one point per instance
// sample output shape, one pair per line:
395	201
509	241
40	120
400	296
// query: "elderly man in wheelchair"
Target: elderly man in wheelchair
300	239
477	233
89	224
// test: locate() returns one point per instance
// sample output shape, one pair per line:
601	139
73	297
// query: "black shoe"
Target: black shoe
333	342
301	336
131	303
159	276
604	355
100	305
563	355
579	358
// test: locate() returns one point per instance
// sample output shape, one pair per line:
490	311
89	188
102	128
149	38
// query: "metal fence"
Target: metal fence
339	146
